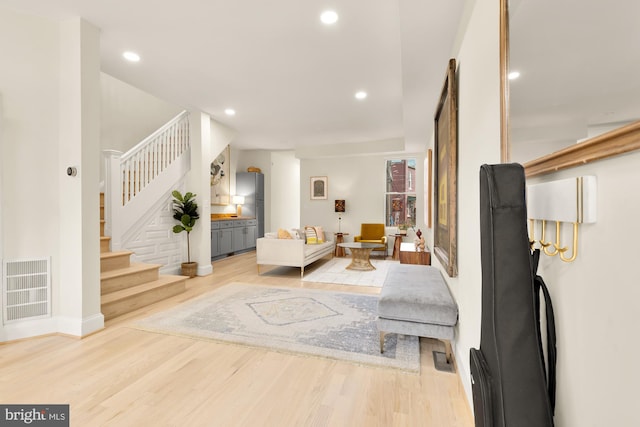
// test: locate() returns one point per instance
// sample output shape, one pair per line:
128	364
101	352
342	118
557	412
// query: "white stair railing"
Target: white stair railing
144	162
136	179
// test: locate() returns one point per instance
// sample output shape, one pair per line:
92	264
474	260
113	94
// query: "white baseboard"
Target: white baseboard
27	329
79	327
52	325
205	270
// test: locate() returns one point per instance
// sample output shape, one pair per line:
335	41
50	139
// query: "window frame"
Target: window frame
407	198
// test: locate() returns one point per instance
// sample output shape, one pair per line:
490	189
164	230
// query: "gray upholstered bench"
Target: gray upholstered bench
415	300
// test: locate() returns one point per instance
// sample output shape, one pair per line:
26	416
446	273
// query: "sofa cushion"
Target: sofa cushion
312	249
417	293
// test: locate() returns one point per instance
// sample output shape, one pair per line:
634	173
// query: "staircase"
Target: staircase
125	287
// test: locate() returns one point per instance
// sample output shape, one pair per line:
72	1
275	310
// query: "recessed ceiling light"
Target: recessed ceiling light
514	75
230	112
329	17
361	95
131	56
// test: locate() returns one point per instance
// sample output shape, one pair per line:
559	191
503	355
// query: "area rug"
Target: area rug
329	324
334	271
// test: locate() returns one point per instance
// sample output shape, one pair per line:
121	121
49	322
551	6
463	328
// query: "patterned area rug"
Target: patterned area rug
335	325
334	271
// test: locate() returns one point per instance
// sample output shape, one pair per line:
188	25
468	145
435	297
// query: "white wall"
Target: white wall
478	143
129	115
522	152
42	105
596	297
29	73
596	300
79	146
360	181
30	190
284	190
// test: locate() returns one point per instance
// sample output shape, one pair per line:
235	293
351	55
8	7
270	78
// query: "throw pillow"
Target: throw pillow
312	237
283	234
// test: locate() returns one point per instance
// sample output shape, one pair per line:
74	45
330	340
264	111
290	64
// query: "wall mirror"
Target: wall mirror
578	80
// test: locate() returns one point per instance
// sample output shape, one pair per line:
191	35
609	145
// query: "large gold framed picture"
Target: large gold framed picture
446	173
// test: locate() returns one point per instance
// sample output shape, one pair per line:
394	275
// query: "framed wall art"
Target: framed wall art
319	187
446	173
220	178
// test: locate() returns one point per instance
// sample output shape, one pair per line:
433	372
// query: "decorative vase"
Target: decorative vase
189	269
419	233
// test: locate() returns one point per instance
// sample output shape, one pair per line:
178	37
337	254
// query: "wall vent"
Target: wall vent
26	289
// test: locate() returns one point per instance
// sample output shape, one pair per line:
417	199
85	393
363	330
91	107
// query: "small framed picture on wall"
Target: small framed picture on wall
319	187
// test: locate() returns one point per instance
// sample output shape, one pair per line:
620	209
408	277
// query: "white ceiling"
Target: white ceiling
291	79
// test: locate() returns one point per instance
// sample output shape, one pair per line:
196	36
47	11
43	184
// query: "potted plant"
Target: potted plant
402	228
185	210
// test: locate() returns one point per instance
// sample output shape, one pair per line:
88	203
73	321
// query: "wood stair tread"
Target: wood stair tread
164	280
135	267
108	255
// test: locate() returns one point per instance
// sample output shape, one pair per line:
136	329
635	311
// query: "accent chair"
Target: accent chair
373	233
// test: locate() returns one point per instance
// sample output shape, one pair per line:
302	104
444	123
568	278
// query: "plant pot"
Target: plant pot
189	269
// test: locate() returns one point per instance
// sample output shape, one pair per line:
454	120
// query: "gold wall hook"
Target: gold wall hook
545	245
557	245
575	245
532	233
542	242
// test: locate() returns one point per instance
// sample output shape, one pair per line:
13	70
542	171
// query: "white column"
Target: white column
199	183
79	304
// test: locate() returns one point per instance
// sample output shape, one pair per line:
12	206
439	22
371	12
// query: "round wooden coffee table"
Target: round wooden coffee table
360	253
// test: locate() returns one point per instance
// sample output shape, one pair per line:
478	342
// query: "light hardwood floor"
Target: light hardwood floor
126	377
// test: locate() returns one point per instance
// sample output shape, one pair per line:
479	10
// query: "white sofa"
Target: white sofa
290	252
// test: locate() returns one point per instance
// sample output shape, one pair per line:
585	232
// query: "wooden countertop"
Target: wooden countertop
222	217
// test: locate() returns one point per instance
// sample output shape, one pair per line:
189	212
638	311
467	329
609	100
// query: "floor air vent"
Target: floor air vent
26	289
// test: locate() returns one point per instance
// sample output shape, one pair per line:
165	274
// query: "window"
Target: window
400	193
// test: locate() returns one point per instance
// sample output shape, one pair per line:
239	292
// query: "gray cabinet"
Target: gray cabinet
232	236
244	234
221	238
251	186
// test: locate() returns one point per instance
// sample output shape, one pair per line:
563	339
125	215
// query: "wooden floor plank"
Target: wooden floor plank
122	376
